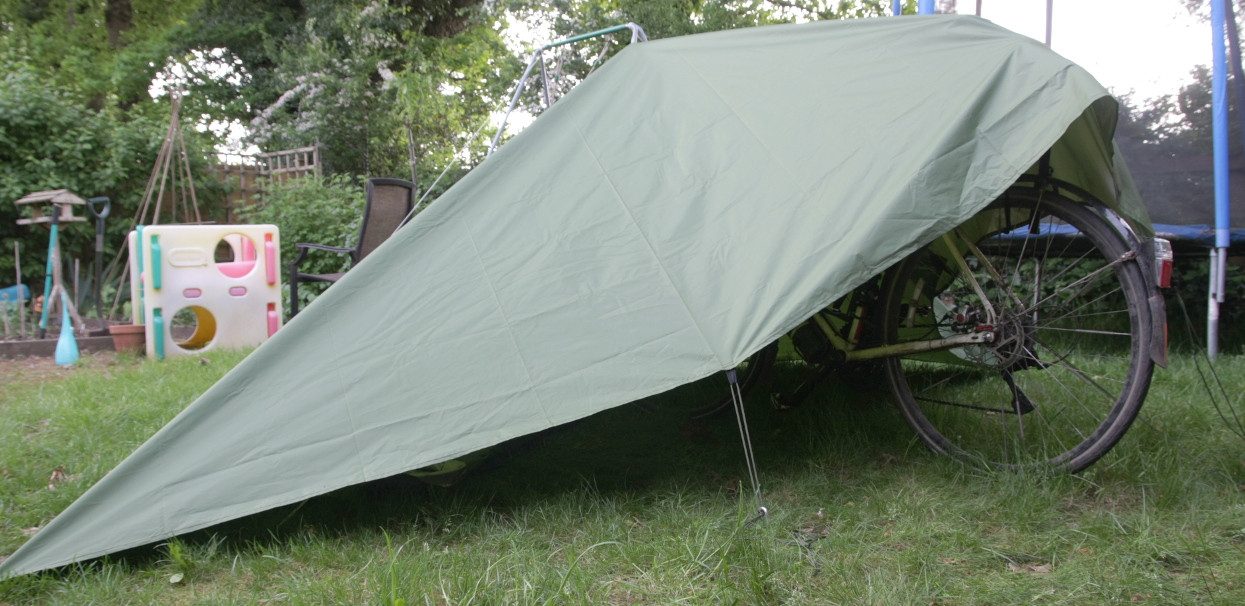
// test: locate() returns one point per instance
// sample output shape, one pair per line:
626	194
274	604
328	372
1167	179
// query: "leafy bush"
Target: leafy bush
1191	283
50	139
322	210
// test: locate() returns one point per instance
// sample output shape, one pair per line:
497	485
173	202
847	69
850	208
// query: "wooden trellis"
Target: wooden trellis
248	175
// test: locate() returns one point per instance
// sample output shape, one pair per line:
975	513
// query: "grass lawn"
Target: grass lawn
639	505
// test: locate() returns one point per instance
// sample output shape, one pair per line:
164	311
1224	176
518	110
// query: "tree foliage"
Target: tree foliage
74	114
350	76
101	48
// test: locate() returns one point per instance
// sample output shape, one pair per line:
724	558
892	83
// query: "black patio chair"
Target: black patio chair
389	201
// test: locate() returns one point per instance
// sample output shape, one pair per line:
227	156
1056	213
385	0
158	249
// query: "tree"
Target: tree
75	113
350	76
97	47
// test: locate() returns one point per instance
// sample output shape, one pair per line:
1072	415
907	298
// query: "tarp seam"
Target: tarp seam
778	160
738	116
488	281
651	249
354	427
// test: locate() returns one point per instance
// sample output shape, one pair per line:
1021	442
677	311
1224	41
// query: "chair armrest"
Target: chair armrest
303	247
336	249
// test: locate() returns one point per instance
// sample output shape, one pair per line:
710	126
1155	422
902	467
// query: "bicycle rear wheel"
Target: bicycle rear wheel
1068	368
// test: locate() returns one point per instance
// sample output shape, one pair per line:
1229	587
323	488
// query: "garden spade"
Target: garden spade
100	214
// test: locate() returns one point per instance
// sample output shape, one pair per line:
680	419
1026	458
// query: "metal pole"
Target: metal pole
925	7
637	35
52	271
410	155
897	8
1212	307
1050	9
1219	114
100	214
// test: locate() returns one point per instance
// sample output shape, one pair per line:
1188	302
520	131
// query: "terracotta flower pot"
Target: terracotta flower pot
129	337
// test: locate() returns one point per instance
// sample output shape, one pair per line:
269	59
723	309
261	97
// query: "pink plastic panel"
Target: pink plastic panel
274	320
236	269
270	259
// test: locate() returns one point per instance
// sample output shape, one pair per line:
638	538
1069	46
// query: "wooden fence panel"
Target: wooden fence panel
246	176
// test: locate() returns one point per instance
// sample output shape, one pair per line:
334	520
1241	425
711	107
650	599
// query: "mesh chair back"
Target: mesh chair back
389	201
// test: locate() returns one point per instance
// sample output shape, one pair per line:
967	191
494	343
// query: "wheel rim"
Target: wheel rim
1067	369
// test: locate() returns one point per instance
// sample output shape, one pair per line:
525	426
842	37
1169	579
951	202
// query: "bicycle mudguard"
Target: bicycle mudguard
1156	302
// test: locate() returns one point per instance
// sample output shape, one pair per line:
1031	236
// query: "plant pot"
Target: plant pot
129	337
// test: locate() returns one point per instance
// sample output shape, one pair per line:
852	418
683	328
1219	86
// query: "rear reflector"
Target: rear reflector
1163	262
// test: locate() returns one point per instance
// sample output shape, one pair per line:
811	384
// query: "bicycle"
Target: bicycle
1026	337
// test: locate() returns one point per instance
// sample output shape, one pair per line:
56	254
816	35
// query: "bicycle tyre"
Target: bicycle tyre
1070	366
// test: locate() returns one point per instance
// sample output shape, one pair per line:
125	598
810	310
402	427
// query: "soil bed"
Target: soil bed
30	370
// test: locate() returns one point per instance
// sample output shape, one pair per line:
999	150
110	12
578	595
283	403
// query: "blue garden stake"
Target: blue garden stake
67	346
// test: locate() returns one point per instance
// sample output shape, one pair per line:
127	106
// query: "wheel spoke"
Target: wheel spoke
1086	305
1086	377
1083	284
1088	331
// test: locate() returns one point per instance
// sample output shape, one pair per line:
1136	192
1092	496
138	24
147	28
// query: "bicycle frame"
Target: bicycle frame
844	336
850	354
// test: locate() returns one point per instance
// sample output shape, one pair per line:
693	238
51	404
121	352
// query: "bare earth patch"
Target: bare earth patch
34	369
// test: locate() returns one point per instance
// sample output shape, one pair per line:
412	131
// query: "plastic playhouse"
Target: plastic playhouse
199	287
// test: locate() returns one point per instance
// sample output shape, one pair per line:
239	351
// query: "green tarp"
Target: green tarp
680	209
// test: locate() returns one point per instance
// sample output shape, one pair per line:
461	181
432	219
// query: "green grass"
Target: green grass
640	505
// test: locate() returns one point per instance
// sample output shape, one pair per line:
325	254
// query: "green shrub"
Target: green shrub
1191	283
51	139
320	210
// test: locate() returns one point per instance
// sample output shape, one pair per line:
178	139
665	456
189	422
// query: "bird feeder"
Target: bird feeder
60	201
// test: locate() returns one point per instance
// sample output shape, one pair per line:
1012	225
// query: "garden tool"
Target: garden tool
100	215
47	280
